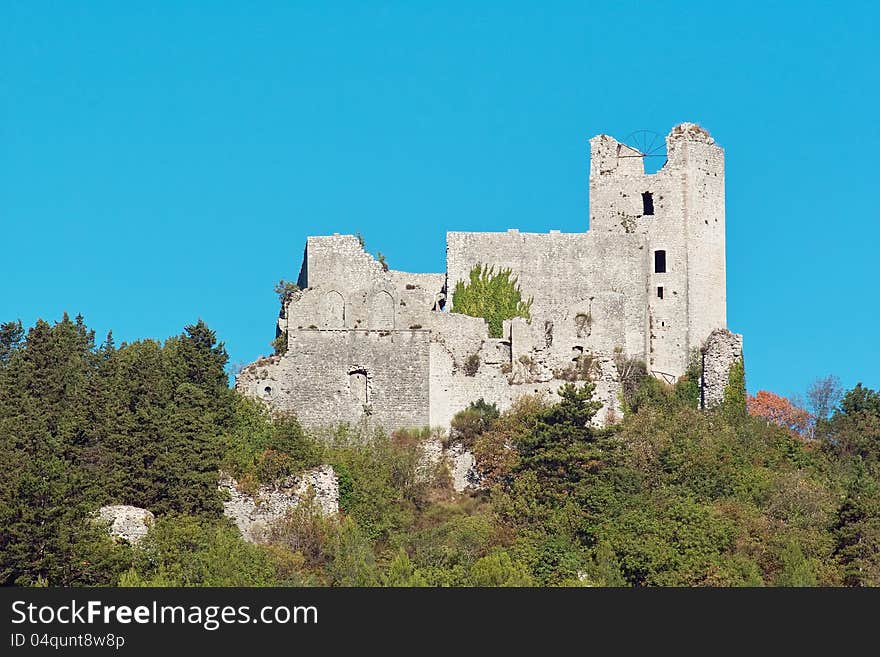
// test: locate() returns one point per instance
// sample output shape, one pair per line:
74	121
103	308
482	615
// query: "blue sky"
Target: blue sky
164	161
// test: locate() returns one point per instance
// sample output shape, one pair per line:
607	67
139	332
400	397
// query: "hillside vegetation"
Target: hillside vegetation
670	496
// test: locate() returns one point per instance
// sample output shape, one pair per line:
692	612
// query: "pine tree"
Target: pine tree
135	401
46	497
559	449
11	337
857	531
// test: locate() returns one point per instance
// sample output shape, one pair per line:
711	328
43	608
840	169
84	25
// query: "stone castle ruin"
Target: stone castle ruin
646	282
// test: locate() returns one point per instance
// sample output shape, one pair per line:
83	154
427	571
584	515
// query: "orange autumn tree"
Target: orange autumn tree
781	411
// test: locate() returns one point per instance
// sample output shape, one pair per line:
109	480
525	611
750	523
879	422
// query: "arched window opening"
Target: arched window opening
358	385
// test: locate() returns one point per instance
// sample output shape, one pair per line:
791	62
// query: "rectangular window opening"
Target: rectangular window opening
659	262
648	203
659	292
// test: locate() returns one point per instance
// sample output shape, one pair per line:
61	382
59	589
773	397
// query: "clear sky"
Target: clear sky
164	161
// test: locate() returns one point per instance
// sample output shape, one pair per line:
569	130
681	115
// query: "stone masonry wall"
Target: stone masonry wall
346	375
707	272
366	342
562	270
684	220
722	350
452	389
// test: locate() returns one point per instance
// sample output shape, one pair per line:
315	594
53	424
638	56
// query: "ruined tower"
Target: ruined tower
680	212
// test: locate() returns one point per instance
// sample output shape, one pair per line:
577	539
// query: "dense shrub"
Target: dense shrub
474	420
494	296
669	496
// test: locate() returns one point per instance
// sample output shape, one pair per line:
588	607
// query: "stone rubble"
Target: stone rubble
129	523
253	514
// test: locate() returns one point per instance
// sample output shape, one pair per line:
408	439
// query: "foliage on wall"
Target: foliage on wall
494	296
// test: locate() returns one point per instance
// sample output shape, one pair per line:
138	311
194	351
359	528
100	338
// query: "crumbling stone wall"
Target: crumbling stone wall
417	293
463	336
685	219
254	514
370	343
343	287
451	390
460	462
340	262
320	380
561	271
721	352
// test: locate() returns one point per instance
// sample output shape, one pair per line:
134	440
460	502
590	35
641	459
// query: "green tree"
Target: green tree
263	446
860	400
401	572
559	449
492	296
604	568
734	404
853	432
182	550
499	569
11	337
796	568
472	422
285	290
857	532
47	484
198	358
353	562
687	388
163	412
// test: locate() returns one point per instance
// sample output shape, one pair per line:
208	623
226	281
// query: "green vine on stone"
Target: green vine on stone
494	296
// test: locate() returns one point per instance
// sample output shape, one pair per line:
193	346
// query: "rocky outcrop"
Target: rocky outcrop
461	463
253	514
128	523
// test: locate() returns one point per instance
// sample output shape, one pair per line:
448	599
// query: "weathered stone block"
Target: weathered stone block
254	514
129	523
722	351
